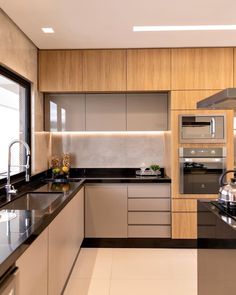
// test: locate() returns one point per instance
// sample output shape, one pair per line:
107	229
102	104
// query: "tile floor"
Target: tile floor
106	271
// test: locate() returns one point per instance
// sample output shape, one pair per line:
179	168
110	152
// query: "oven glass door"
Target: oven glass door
200	175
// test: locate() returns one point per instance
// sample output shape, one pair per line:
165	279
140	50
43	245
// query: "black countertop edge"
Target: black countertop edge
36	230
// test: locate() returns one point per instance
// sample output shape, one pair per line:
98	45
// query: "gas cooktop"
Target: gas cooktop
230	210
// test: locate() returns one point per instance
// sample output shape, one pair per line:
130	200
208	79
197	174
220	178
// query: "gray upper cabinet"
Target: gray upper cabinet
105	112
65	112
147	112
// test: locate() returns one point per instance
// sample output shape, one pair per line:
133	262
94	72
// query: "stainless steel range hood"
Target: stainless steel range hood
223	100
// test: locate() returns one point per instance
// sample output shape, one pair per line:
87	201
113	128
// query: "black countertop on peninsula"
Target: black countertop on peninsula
17	234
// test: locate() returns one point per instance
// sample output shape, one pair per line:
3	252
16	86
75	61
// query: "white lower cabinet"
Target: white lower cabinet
65	237
33	267
45	266
106	211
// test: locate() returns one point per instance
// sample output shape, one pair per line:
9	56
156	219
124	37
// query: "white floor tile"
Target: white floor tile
87	287
93	263
153	264
153	287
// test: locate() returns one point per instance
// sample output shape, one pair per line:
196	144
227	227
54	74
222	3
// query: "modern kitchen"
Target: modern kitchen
117	163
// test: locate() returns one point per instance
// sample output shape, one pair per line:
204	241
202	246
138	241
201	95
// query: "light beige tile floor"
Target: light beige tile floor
106	271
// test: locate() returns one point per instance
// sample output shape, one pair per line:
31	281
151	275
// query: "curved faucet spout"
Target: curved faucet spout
9	188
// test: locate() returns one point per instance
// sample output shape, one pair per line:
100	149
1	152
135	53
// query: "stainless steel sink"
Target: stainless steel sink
6	216
35	201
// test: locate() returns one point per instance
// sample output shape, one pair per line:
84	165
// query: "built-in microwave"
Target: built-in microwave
202	129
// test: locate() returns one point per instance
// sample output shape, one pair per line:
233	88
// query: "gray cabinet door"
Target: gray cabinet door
105	112
106	211
147	112
65	112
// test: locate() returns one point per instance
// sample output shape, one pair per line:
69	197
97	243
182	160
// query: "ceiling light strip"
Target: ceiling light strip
183	28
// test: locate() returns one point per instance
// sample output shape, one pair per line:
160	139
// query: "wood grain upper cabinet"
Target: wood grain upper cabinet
148	69
60	70
104	70
234	67
187	100
202	68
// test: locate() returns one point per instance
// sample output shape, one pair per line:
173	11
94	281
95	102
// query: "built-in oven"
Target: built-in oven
200	169
202	129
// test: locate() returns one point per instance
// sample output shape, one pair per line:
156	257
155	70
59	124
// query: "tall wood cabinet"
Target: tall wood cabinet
60	70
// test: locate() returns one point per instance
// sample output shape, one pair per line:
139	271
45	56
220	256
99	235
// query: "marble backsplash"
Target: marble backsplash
107	150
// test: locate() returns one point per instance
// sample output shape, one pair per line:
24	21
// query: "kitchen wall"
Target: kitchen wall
19	54
111	149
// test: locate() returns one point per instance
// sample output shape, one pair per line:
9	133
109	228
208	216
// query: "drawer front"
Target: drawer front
149	218
151	231
160	190
149	204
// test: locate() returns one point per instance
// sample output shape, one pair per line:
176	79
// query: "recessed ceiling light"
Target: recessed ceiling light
48	30
183	28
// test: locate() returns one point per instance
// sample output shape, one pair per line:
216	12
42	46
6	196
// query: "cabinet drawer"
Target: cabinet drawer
151	231
149	204
149	218
161	190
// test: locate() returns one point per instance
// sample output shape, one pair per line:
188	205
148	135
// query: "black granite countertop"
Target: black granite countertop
18	233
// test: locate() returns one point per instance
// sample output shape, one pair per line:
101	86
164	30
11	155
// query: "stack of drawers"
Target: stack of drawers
149	210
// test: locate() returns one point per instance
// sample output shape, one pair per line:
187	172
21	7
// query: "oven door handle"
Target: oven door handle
213	127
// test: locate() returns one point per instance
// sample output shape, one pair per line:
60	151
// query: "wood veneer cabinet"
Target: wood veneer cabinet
104	70
60	70
201	68
187	100
184	225
234	67
148	69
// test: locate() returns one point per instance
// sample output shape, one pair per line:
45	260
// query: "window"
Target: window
14	119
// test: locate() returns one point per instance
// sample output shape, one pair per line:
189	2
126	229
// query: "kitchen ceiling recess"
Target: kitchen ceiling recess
108	23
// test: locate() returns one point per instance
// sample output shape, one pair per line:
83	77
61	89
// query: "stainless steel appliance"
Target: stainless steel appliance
9	282
202	129
227	192
225	99
200	169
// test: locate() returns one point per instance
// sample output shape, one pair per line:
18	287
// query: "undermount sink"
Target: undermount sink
35	201
6	216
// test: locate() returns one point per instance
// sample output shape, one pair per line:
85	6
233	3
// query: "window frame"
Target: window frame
27	85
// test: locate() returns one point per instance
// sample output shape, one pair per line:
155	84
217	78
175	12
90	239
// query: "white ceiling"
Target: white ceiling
108	23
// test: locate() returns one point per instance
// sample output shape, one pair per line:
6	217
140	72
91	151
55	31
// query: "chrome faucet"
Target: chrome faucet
10	188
